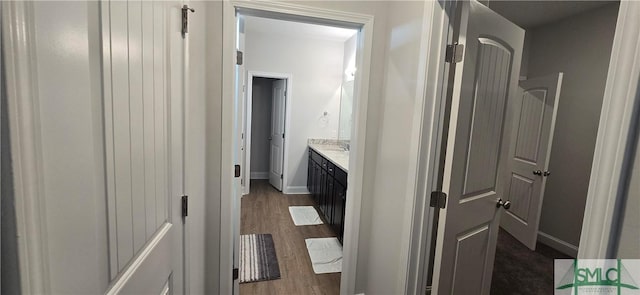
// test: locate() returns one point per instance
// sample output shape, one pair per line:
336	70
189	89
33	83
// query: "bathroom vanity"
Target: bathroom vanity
327	182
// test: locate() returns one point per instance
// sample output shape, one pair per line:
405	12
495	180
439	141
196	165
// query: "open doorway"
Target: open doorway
564	70
525	106
265	128
295	114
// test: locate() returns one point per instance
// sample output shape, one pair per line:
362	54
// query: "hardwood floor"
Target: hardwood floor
266	211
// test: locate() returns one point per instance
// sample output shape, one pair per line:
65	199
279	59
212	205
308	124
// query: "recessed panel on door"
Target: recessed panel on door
489	101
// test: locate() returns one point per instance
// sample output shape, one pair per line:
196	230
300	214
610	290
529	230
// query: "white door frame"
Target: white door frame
22	100
612	155
287	116
355	179
611	158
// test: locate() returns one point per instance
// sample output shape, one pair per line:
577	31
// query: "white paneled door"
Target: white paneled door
276	162
474	168
530	146
143	64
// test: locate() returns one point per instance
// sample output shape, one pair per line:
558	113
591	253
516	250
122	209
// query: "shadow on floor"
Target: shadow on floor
518	270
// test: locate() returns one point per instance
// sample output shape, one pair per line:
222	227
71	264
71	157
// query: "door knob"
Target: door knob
504	204
546	173
537	172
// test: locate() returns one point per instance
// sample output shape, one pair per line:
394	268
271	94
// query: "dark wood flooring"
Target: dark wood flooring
266	211
518	270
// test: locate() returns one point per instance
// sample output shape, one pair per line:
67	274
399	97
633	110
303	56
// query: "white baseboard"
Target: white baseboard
558	244
259	175
296	190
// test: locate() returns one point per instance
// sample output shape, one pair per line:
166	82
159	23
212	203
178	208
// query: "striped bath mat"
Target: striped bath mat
258	261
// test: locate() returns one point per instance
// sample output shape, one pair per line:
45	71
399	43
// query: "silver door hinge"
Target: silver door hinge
438	200
185	19
185	206
455	53
239	57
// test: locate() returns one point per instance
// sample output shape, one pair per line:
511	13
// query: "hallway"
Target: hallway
265	211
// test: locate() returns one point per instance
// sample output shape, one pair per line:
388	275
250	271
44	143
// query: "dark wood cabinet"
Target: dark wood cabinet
327	184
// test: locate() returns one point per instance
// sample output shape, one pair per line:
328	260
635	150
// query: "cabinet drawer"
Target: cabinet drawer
316	157
340	176
331	168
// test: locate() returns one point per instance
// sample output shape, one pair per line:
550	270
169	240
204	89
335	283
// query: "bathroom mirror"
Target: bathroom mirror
346	111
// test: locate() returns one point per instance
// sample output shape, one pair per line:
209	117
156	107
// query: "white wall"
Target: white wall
580	47
261	125
316	67
382	268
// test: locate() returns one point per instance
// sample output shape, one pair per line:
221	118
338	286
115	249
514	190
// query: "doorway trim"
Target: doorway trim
18	37
287	115
614	144
359	129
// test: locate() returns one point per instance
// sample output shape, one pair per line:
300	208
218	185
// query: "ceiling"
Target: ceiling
267	25
529	14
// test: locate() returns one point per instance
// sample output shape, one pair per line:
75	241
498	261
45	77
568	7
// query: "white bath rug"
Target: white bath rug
325	254
304	215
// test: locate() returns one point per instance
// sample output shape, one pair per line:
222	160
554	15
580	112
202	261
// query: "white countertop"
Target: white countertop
333	153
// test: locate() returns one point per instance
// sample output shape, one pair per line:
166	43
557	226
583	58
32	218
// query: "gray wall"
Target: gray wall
10	277
261	124
580	47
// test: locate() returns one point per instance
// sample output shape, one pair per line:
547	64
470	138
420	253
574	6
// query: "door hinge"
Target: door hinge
281	176
185	19
455	53
236	172
438	200
239	57
282	135
236	273
185	206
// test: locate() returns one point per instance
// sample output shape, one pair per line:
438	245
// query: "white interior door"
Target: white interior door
277	134
143	62
530	145
474	168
